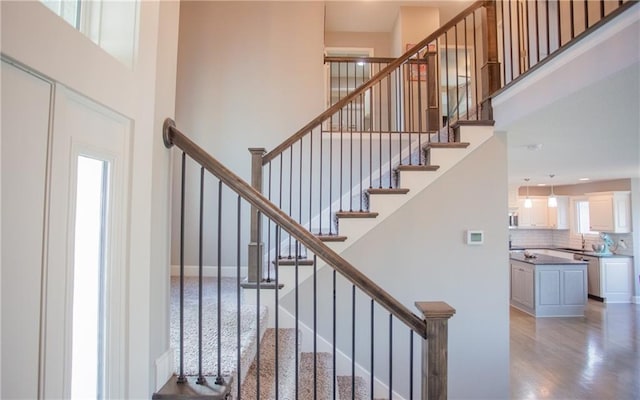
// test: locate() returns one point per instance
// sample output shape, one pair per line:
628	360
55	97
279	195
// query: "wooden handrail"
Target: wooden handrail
370	83
172	136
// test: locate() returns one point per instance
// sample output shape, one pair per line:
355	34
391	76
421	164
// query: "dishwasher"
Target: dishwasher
593	276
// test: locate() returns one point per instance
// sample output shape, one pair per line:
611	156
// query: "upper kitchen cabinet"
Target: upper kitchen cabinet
610	212
534	217
559	216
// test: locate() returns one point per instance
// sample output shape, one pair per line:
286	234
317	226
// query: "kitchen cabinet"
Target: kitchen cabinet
534	217
617	279
548	286
559	216
522	284
610	278
610	212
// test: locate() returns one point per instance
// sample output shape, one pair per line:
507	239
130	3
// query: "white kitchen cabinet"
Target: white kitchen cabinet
617	279
522	285
610	212
534	217
559	216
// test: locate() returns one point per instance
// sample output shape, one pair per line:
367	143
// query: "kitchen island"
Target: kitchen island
548	286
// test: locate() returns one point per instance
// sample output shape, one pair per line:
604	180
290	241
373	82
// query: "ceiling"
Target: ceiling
583	119
380	16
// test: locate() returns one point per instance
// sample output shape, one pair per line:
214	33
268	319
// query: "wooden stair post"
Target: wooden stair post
434	348
254	272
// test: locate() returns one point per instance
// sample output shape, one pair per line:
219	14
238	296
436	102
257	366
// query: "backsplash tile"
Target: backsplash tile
562	238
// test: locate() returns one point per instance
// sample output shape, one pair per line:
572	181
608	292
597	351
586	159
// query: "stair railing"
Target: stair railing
353	302
375	125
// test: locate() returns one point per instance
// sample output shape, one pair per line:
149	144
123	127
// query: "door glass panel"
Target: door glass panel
87	376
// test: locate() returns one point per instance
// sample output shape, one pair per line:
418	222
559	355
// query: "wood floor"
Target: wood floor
591	357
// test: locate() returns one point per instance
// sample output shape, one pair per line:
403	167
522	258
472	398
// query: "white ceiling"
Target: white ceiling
380	16
581	115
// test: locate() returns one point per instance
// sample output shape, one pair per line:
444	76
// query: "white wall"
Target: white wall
250	74
144	94
380	42
419	254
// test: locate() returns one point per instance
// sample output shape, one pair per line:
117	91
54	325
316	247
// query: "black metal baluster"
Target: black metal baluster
410	364
182	378
320	185
420	104
315	327
277	305
601	9
572	19
391	356
467	75
353	341
380	134
279	243
238	295
389	127
200	380
300	184
548	27
455	38
586	15
341	158
372	380
371	116
537	32
351	105
290	192
269	232
297	310
504	44
510	40
219	378
559	25
446	69
475	66
360	140
259	227
330	178
333	341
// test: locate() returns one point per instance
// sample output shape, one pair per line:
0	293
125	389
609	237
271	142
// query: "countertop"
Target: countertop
543	259
568	250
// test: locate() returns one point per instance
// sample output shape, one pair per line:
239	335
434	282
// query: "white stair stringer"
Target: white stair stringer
416	181
386	204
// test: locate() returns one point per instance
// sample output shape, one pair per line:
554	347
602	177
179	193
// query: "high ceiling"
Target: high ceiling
380	16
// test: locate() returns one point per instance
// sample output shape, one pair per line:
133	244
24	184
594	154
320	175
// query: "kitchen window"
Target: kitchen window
581	224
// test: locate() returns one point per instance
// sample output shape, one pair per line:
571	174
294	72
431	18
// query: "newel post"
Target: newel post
490	71
254	272
434	348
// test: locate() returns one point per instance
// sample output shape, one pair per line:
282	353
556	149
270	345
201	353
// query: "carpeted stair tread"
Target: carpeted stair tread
345	384
324	376
286	367
228	332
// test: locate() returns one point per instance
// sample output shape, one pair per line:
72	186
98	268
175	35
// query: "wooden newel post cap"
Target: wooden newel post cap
258	150
435	309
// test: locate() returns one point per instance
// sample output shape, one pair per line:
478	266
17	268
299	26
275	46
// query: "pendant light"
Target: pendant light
527	201
552	201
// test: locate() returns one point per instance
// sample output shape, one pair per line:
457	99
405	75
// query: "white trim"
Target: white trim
164	368
228	271
635	299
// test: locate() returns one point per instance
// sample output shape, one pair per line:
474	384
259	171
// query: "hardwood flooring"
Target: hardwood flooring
591	357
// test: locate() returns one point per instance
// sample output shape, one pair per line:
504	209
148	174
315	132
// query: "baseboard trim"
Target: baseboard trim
635	299
227	271
164	368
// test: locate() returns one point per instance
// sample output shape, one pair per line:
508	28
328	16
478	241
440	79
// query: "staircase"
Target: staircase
316	195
